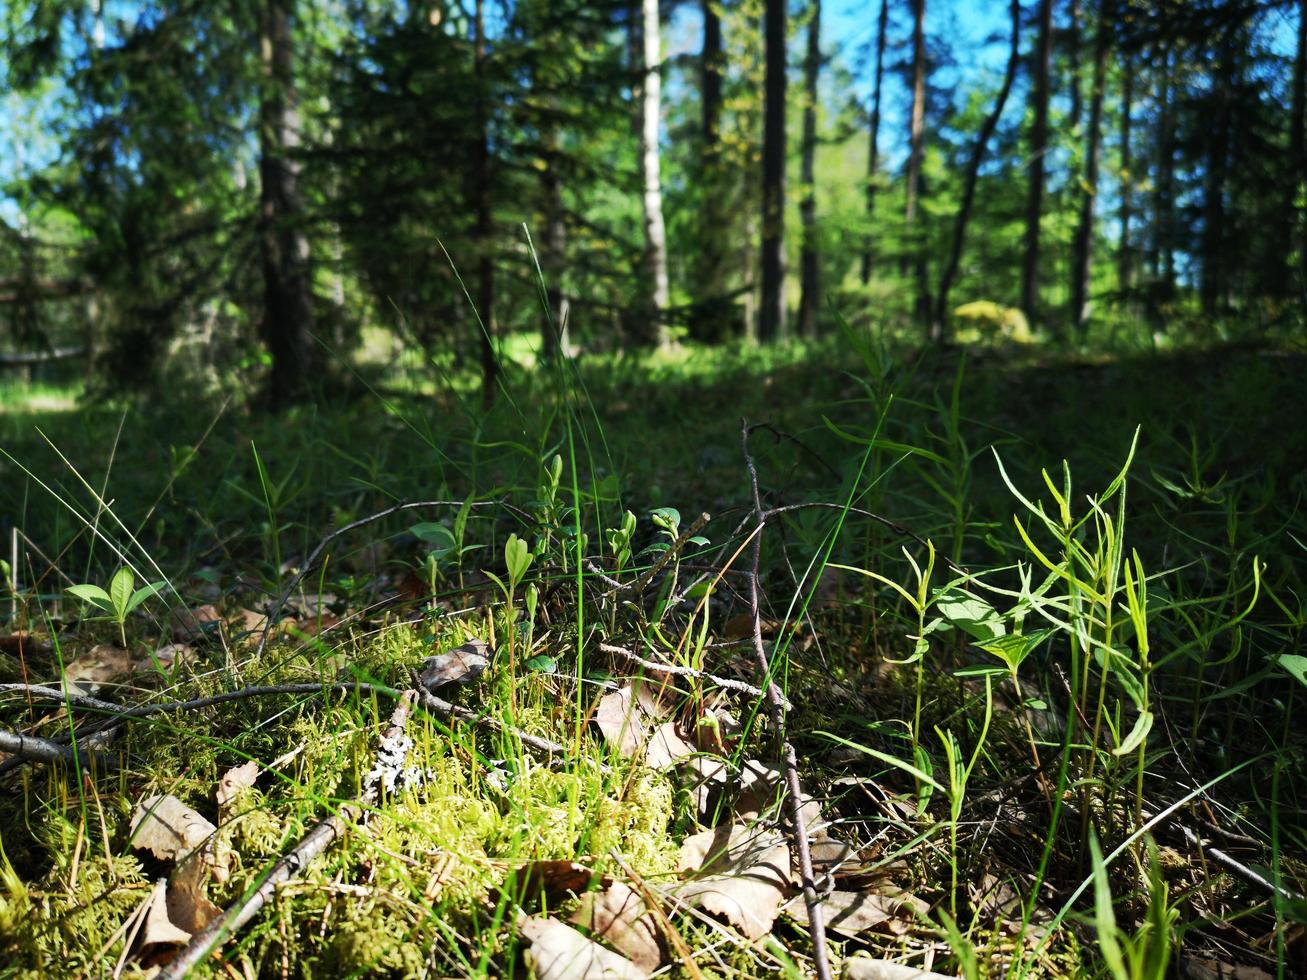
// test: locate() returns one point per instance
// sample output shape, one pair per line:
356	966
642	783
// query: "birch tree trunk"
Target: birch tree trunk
655	233
1082	262
1038	150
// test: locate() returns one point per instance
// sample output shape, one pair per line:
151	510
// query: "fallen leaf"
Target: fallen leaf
667	747
171	831
748	873
22	644
740	627
1200	969
189	907
559	952
621	722
95	668
462	666
172	655
232	783
159	929
197	622
555	879
865	968
706	778
618	916
853	913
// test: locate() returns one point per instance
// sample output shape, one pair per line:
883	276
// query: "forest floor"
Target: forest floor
394	686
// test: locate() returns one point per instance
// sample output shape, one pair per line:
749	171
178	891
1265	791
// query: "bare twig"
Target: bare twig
776	708
312	844
30	748
445	709
311	561
722	682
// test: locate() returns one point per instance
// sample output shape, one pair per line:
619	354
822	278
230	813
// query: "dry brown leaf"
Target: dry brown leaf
553	878
462	666
1198	969
741	627
852	913
748	873
170	830
617	915
706	778
95	668
159	929
192	623
621	721
172	655
559	952
189	907
666	747
865	968
230	785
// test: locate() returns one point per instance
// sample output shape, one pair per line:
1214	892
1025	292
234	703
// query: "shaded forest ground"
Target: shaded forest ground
228	505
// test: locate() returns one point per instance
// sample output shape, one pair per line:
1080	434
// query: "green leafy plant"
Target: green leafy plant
121	599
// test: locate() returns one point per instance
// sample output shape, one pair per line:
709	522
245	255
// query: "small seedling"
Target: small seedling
120	600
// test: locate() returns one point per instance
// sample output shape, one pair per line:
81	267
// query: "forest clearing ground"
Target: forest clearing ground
921	697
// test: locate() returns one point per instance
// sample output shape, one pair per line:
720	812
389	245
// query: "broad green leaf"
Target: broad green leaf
1143	724
1295	664
1013	648
970	614
120	589
890	760
541	664
517	557
433	533
92	594
143	593
667	517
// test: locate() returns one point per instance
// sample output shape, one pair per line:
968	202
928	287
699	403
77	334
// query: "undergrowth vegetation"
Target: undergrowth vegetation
1037	622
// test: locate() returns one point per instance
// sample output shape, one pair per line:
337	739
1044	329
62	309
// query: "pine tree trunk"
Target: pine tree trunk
771	308
1081	265
485	294
554	257
655	232
1293	216
940	319
712	316
873	150
1073	43
916	157
810	258
1038	150
1125	256
1213	280
287	289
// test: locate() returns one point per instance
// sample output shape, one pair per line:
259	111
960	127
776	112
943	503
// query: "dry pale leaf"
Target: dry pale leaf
553	878
172	655
707	778
170	830
618	916
1196	969
192	623
233	782
159	929
95	668
865	968
559	952
748	874
189	907
462	666
621	722
666	747
852	913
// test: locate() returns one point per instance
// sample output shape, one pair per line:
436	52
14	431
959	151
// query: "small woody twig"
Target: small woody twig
723	682
776	708
312	844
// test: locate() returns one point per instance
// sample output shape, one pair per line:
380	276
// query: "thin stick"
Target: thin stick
30	748
314	555
723	682
312	844
776	708
439	706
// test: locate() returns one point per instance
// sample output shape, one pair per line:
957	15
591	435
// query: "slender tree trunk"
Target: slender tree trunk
1081	265
1293	218
1161	243
1125	256
1038	150
1213	281
485	295
655	233
1073	43
873	149
771	310
916	157
987	128
284	247
553	260
810	258
713	313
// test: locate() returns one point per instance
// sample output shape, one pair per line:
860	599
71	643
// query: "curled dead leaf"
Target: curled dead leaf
159	929
618	916
865	968
95	668
559	952
462	666
747	874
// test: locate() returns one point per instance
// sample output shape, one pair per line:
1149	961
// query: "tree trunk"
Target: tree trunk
771	309
485	296
1125	256
1292	218
1073	64
1213	281
287	290
1038	150
712	319
916	156
1081	265
655	232
810	258
940	319
553	259
873	149
1161	243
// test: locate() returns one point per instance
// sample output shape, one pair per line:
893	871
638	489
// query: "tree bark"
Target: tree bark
1073	43
712	318
771	310
1038	150
1125	251
873	150
810	258
655	232
485	296
1213	280
287	289
1293	218
553	260
1161	243
916	157
1081	265
940	318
